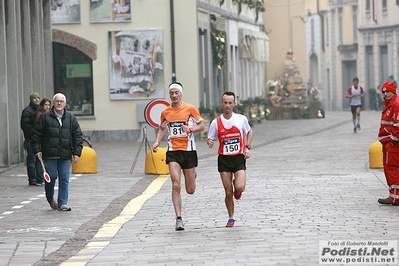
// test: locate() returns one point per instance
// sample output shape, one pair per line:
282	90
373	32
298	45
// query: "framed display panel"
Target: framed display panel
110	11
136	64
65	11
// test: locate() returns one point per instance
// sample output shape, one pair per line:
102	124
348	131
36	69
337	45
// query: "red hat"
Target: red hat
389	86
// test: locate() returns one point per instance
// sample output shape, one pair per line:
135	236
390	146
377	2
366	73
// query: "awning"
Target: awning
254	45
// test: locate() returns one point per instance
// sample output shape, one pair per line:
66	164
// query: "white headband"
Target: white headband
176	86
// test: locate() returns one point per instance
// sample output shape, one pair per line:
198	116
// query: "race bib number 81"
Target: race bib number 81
175	129
231	146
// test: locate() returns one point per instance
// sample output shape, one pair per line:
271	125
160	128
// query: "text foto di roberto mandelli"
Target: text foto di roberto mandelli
351	243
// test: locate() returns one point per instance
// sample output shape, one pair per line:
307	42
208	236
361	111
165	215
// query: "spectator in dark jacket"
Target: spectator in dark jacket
27	126
45	105
58	140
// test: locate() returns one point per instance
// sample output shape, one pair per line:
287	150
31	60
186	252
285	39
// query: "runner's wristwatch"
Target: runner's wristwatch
248	147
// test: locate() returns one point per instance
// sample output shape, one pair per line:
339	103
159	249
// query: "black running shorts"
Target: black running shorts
186	159
354	107
231	163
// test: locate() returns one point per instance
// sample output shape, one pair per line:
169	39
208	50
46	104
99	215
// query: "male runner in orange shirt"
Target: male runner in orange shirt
182	120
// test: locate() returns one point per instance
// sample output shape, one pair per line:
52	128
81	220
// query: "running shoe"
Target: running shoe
179	224
64	208
354	130
358	127
238	195
230	223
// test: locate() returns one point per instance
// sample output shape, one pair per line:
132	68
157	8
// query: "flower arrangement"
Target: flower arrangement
258	4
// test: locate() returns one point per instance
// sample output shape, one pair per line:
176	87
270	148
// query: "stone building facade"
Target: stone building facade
25	67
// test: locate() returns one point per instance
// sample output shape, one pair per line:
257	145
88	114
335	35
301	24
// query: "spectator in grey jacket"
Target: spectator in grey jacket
27	126
58	140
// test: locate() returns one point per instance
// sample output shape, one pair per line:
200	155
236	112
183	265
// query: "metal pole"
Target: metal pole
172	33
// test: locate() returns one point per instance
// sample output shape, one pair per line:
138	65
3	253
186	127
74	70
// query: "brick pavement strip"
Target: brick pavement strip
308	180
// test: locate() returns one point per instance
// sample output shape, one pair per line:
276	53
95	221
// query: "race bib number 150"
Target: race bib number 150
231	146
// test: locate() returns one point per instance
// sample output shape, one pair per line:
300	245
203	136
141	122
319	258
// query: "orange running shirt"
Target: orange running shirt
176	117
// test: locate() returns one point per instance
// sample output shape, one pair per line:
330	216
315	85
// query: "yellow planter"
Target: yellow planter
87	163
375	155
155	162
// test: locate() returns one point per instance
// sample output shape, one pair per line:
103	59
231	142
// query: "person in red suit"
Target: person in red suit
388	135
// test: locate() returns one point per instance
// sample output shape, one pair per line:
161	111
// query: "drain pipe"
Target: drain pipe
172	41
322	26
374	13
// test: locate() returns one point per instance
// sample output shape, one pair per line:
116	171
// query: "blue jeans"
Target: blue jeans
58	168
39	172
30	162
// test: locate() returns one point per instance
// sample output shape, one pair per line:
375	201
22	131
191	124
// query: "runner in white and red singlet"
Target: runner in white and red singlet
235	136
355	93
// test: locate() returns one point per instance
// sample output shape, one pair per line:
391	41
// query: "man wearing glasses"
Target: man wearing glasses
58	140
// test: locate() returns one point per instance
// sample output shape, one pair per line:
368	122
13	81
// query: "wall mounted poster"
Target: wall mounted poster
65	11
110	11
136	64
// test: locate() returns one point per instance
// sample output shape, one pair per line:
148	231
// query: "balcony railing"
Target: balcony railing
339	3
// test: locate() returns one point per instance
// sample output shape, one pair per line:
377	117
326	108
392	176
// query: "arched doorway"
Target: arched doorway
73	76
73	71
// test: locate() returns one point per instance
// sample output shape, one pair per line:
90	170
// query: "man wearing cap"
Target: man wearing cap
27	126
388	135
182	120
